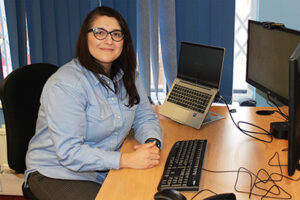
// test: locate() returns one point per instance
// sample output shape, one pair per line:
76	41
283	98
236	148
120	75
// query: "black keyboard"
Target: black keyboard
183	166
189	98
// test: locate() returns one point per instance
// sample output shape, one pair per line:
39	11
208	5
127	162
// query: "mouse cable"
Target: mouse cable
256	183
199	192
278	109
246	132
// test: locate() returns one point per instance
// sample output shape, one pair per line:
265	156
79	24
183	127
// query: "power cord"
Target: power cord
278	109
247	132
274	189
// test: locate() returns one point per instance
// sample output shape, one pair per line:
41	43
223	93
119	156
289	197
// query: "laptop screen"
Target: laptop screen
201	64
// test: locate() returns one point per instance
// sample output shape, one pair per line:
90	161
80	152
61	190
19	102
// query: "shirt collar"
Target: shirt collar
119	76
116	79
95	81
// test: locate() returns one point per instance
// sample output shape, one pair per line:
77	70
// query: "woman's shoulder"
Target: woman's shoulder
71	73
71	69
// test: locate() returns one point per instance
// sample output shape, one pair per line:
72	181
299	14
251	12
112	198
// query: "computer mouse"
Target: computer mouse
224	196
248	102
169	195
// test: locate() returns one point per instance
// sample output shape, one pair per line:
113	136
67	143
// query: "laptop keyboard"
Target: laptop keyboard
189	98
183	166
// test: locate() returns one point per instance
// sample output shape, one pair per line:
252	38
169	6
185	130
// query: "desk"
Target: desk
228	149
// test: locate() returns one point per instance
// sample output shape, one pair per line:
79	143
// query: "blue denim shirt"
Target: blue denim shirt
81	125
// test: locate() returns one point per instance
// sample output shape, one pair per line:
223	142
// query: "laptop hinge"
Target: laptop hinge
195	84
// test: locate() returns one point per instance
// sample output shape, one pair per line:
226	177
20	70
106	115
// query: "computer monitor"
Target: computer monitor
269	47
294	113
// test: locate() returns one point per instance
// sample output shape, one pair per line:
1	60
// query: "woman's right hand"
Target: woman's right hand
145	156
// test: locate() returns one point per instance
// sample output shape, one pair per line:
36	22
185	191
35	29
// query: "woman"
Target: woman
87	109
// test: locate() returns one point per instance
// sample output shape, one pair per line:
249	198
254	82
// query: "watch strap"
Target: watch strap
149	140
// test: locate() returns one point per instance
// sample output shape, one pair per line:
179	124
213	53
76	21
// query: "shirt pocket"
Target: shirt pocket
100	122
129	115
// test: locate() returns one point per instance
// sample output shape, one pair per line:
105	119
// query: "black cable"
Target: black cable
199	192
269	162
233	171
280	189
279	111
282	114
246	132
257	181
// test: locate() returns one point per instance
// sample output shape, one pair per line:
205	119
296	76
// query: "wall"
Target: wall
283	11
280	11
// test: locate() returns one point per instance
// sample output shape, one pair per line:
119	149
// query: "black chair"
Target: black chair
20	95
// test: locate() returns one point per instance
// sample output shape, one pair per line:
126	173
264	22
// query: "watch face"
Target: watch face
157	143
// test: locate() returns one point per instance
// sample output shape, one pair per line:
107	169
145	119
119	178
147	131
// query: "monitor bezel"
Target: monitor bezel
249	79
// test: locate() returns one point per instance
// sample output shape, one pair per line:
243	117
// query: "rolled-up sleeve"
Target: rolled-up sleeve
146	124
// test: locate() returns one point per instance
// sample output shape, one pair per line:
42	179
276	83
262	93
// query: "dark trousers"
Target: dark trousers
45	188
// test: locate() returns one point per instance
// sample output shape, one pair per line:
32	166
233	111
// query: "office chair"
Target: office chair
20	94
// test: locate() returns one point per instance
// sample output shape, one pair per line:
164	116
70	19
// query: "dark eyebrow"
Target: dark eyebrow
107	30
116	30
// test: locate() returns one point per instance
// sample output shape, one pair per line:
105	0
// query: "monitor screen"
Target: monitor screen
201	64
269	49
294	113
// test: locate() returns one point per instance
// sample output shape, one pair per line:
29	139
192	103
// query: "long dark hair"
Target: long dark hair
126	61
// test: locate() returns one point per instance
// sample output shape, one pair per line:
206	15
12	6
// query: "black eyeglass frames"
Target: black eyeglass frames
101	34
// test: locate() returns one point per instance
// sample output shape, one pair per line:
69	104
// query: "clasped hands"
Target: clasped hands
144	156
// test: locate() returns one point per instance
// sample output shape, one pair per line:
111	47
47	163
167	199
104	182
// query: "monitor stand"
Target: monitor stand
211	117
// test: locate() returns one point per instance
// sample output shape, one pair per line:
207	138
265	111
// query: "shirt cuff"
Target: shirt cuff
113	160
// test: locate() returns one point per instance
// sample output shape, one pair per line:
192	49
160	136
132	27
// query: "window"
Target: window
244	10
4	43
161	80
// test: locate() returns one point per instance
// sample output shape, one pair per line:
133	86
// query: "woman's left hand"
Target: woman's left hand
145	156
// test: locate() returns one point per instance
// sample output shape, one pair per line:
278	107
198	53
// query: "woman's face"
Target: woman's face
106	50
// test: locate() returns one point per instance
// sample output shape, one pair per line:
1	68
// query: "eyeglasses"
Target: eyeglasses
101	34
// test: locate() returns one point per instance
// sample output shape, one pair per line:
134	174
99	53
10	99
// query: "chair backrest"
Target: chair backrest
20	95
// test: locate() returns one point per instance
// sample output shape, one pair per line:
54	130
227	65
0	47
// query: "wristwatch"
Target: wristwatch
149	140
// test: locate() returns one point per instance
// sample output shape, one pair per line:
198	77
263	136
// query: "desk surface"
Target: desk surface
228	149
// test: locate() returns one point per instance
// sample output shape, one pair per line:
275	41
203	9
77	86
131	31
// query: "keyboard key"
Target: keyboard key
183	166
189	98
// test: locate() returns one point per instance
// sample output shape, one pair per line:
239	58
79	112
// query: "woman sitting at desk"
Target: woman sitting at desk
87	109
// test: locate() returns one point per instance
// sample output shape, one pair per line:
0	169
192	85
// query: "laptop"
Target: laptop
196	85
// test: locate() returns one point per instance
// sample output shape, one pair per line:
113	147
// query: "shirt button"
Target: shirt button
108	82
116	133
119	117
112	99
